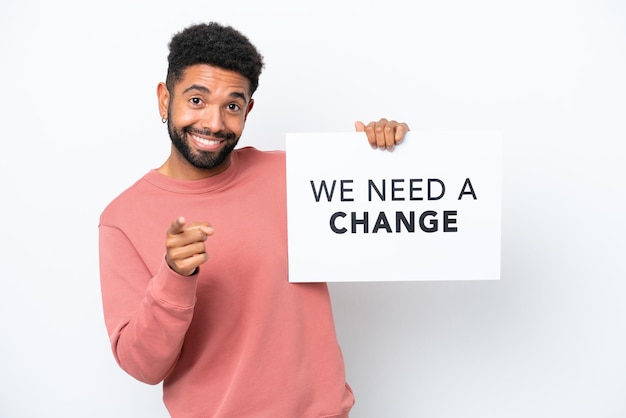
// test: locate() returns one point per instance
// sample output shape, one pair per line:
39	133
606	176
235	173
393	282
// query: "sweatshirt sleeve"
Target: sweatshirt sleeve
146	316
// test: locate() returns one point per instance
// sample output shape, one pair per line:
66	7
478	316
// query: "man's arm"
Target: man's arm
147	317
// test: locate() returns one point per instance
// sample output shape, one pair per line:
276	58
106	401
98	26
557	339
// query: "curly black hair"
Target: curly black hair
217	45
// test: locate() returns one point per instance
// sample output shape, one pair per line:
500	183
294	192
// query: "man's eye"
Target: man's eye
196	100
233	106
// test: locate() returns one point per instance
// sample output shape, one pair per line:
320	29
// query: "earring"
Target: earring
163	119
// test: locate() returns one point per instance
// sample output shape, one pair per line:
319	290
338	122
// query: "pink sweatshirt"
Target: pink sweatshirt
236	339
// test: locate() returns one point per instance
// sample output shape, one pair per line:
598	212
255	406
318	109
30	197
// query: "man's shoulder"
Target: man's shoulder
120	203
253	152
253	157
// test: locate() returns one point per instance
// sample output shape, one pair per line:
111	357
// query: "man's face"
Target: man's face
206	115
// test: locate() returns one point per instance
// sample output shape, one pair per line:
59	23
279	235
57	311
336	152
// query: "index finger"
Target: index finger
176	227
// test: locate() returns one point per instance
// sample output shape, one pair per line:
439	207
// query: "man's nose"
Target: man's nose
212	119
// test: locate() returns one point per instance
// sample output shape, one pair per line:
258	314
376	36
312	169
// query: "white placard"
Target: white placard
429	210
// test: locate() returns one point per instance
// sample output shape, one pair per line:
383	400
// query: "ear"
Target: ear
163	96
248	109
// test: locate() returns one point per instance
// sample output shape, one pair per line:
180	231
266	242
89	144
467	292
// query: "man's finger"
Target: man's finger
202	226
381	133
177	226
401	130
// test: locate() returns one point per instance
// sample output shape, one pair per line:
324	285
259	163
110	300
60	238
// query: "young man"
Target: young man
193	256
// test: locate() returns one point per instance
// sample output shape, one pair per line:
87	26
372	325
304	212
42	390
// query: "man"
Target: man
193	256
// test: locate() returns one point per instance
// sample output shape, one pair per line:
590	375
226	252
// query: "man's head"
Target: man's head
216	45
213	72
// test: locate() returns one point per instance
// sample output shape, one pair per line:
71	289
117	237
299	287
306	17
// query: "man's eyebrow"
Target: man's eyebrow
203	89
238	94
197	87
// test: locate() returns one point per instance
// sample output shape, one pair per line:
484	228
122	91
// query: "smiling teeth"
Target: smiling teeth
205	141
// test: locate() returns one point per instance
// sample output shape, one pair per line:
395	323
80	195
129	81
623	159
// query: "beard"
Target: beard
201	159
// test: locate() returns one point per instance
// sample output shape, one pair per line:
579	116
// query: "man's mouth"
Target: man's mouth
206	141
206	144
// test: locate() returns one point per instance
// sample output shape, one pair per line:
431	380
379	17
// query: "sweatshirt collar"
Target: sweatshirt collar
205	185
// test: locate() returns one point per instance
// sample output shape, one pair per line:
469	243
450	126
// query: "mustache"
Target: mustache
224	135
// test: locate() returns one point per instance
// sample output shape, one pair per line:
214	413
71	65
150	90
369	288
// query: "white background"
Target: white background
80	123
